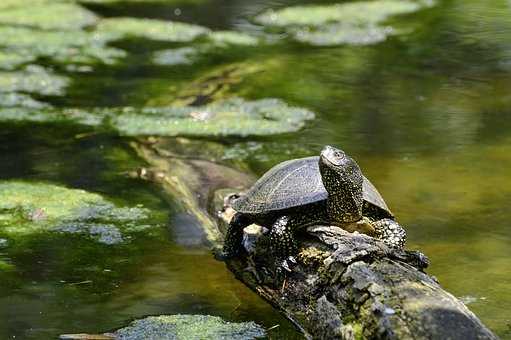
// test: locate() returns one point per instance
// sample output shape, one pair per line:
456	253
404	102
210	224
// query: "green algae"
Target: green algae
19	100
213	42
355	13
10	60
357	22
233	117
27	208
177	56
32	113
338	34
48	15
226	38
61	46
34	79
181	327
171	31
8	4
166	2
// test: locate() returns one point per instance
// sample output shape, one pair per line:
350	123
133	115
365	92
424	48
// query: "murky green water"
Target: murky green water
427	115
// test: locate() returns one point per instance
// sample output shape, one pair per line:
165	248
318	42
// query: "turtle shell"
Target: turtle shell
292	184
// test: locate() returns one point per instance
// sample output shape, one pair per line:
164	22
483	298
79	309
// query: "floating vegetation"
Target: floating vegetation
49	115
339	34
166	2
118	28
233	117
11	60
177	56
181	327
103	233
61	46
358	23
20	100
34	79
225	38
48	15
28	208
215	40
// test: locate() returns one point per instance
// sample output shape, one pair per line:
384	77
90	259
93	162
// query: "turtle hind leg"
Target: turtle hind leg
282	241
234	236
390	232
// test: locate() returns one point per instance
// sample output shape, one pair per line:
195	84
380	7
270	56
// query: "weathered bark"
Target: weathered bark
344	285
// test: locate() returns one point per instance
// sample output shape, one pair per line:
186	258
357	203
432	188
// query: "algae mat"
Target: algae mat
31	208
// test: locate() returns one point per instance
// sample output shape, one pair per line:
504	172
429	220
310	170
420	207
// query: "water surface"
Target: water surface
426	114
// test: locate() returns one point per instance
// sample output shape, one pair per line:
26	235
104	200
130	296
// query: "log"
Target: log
344	285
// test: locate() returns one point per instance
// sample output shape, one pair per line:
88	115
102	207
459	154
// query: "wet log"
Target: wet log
344	285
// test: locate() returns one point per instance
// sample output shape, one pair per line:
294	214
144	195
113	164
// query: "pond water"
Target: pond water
426	113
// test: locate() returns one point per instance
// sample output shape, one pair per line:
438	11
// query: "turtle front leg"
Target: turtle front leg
390	232
234	236
282	242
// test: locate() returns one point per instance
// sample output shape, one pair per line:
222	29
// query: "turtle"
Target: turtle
329	189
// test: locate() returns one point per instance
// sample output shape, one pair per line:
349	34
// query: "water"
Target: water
427	115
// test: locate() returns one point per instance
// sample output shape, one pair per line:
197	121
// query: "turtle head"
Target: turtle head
342	179
338	170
